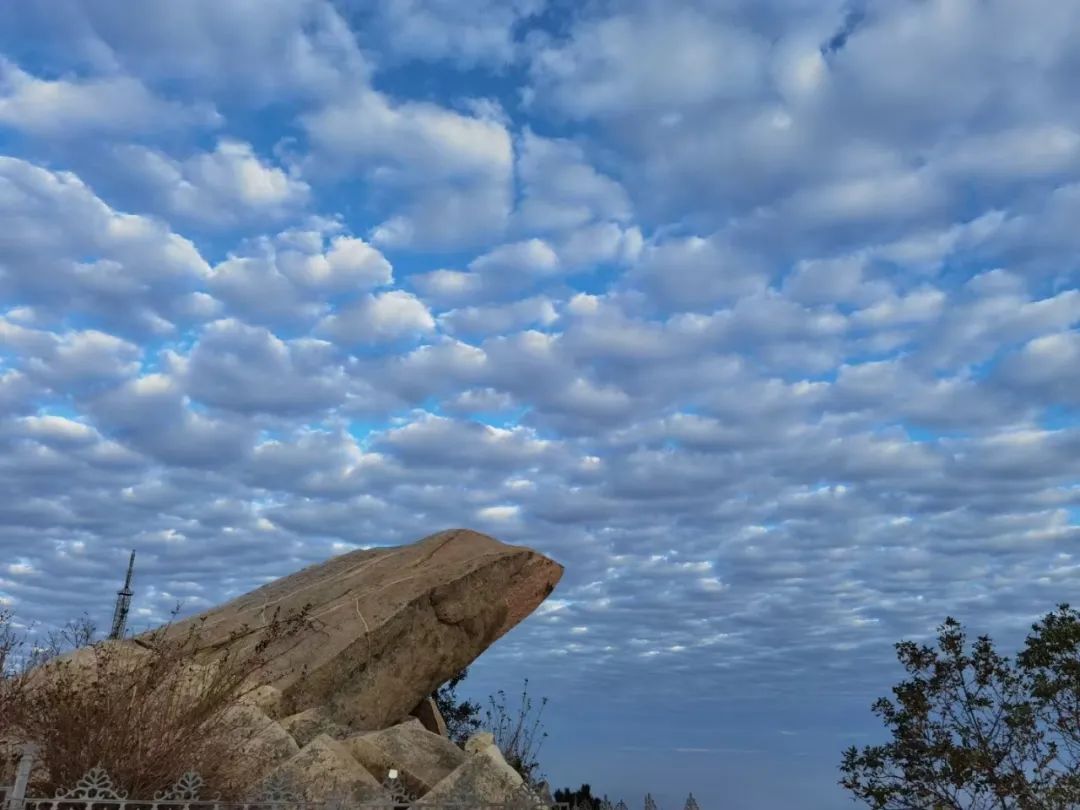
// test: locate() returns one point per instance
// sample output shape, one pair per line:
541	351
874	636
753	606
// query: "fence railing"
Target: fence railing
96	791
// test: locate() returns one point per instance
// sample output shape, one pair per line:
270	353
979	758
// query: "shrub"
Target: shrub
516	739
143	710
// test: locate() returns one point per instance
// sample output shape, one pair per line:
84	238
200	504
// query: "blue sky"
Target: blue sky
758	315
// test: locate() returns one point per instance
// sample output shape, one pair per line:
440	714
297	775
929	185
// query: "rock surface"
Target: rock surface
266	698
310	723
257	736
479	741
325	770
389	625
427	712
421	758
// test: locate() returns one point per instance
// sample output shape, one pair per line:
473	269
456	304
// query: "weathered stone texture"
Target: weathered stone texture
421	758
389	624
484	775
324	770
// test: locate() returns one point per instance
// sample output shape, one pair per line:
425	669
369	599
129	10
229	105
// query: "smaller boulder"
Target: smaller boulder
478	742
266	698
421	758
258	737
484	778
324	770
310	723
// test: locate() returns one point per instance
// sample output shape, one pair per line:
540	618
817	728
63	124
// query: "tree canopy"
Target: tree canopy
972	729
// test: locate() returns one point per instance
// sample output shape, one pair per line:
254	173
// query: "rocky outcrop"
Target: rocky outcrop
421	758
388	625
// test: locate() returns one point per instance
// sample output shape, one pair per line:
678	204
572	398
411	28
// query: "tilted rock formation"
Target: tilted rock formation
346	698
389	624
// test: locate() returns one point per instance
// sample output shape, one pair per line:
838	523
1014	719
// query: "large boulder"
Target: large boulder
324	770
484	777
388	625
422	759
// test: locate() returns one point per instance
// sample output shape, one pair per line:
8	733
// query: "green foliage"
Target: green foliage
581	798
973	729
460	715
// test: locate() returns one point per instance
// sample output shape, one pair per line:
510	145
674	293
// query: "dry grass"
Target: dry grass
143	710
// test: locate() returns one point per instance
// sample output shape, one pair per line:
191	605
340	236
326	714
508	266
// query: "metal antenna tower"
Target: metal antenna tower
123	603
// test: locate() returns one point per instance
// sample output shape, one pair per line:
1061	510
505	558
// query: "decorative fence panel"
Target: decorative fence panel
95	791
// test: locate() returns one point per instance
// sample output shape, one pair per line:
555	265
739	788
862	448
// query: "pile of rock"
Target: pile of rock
347	700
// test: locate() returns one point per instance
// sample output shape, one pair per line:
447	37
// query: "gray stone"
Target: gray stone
324	770
310	723
421	758
485	777
479	741
257	736
266	698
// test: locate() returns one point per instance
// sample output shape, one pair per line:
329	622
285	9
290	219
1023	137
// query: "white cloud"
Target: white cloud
290	277
499	319
451	172
504	271
381	316
560	190
1047	368
249	369
251	52
693	272
99	105
653	62
477	33
67	248
219	188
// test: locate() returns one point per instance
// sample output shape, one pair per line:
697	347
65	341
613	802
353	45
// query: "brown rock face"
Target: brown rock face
389	624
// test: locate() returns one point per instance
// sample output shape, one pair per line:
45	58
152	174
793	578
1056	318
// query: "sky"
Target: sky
759	316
